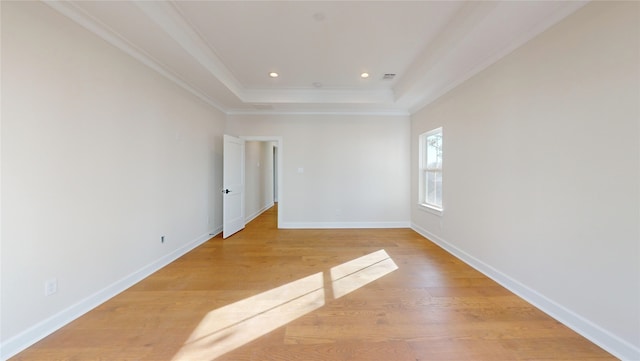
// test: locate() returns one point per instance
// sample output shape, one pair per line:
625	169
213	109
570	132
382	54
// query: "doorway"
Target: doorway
276	152
275	173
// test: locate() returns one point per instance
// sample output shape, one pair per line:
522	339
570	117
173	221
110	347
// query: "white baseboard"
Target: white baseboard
327	225
596	334
256	214
18	343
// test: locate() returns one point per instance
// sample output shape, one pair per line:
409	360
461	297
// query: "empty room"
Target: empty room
320	180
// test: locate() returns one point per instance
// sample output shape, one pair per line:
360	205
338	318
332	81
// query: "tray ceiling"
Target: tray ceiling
223	51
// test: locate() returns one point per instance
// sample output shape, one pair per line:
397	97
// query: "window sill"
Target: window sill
430	209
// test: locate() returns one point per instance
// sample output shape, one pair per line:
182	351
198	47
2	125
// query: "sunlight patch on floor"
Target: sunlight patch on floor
229	327
354	274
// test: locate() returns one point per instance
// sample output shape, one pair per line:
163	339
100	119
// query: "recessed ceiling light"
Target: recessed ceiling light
364	75
273	74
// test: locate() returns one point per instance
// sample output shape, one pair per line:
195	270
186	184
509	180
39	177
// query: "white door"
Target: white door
233	186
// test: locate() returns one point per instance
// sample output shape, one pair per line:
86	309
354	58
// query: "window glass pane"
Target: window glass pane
438	190
434	151
434	188
431	187
431	168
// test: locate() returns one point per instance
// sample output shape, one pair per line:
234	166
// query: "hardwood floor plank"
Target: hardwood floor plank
245	293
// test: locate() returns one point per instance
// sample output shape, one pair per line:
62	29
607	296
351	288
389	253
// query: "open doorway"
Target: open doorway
275	173
263	163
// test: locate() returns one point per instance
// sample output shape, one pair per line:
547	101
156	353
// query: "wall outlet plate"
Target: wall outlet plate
50	287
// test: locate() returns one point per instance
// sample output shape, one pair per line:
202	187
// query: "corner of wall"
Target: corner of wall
596	334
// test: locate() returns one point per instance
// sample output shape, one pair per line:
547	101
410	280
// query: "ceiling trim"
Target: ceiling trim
168	18
93	25
422	83
416	83
394	113
331	96
564	9
96	27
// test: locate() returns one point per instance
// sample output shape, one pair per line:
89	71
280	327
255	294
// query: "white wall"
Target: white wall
101	156
258	178
355	168
542	173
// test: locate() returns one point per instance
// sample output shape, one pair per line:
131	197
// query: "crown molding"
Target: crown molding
315	96
390	113
443	65
426	89
93	25
168	18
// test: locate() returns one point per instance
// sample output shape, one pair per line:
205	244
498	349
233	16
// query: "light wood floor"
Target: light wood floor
269	294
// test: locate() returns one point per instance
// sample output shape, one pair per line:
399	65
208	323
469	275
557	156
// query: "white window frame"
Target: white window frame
423	169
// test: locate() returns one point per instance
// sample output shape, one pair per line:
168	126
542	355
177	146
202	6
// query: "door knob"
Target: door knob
226	191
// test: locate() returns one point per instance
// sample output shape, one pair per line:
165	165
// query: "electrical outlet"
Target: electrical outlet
50	287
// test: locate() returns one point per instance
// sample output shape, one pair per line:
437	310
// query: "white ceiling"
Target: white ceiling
223	51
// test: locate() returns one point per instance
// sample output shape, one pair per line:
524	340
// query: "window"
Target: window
430	181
